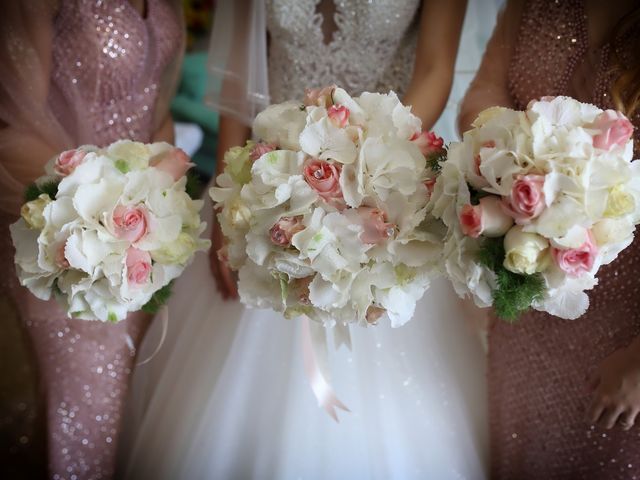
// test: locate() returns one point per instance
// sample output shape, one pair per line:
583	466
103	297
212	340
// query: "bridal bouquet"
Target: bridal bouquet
326	216
535	202
106	230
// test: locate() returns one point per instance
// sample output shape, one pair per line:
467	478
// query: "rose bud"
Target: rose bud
427	142
130	222
525	253
576	261
68	160
284	230
376	229
615	130
487	218
339	115
324	178
138	266
175	162
526	200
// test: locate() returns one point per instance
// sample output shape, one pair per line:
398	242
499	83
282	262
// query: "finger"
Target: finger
628	419
229	282
610	417
595	411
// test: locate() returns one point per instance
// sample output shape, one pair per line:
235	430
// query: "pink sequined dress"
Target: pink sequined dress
538	366
73	72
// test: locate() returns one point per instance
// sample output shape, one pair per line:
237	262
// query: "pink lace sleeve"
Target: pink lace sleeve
490	85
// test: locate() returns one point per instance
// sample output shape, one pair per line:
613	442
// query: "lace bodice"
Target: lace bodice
357	44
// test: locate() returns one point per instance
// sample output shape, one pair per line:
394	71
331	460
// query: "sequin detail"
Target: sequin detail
116	66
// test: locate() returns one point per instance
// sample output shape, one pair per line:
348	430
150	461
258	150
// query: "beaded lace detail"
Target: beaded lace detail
386	30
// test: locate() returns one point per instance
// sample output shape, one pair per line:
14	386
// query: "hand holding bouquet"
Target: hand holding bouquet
106	230
535	202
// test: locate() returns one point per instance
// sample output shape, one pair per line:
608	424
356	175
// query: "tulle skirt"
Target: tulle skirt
227	397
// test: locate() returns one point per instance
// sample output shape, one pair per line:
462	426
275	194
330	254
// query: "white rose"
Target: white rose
525	253
32	212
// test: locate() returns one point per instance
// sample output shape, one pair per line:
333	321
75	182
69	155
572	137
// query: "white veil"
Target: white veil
238	81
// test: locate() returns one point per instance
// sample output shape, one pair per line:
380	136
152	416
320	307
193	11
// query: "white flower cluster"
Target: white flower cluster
556	182
120	227
326	216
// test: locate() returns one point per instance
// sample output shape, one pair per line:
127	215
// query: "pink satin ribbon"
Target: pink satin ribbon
322	389
164	318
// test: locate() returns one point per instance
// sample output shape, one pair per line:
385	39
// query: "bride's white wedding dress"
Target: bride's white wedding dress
226	397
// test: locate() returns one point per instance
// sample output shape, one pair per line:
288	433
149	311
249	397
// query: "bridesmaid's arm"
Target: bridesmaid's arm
490	88
166	131
231	133
440	26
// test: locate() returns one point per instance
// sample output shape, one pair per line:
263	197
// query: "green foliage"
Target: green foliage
476	195
34	190
435	160
158	299
193	186
515	292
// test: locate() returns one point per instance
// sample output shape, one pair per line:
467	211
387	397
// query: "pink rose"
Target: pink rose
576	261
175	162
324	178
526	201
319	96
67	161
130	222
487	218
471	220
138	266
260	149
376	229
284	230
615	130
427	142
339	115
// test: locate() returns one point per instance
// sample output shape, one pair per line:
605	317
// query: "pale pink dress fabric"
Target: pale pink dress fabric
538	366
73	72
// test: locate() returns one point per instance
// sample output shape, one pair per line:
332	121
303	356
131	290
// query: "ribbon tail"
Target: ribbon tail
164	318
322	389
